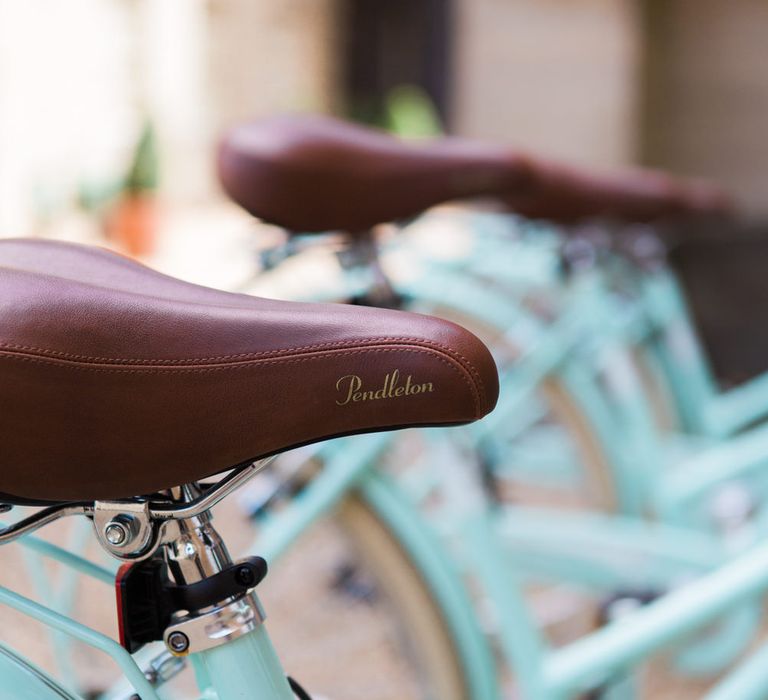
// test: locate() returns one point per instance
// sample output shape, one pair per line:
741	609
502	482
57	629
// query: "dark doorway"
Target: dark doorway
390	43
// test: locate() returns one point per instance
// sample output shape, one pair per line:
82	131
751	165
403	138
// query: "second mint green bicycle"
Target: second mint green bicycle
276	159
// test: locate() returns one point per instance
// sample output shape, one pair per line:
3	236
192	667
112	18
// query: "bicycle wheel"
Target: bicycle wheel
548	448
437	662
598	487
353	612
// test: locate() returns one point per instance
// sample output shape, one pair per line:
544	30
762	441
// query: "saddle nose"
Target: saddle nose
117	381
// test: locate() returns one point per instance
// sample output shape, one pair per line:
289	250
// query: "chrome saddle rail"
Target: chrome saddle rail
132	529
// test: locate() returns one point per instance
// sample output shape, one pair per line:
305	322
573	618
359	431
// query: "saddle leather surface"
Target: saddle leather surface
118	381
310	173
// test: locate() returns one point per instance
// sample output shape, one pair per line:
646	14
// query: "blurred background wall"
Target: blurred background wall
675	83
705	92
554	76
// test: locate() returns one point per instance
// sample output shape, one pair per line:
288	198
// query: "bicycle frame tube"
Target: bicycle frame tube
581	664
700	403
346	462
247	667
84	634
587	330
743	456
548	674
676	347
748	681
636	453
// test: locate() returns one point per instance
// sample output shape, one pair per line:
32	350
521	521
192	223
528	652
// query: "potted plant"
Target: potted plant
132	223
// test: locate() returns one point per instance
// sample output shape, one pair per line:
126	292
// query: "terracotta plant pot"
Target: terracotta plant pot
132	223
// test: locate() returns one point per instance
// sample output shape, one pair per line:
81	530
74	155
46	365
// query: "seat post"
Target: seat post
363	252
196	557
198	560
195	550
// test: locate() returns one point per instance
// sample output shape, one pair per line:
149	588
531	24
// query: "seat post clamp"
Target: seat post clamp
225	623
187	617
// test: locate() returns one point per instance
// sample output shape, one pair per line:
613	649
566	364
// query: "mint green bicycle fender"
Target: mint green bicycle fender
244	669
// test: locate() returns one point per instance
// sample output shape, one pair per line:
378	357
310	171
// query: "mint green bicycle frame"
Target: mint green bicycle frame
651	471
552	349
641	477
701	406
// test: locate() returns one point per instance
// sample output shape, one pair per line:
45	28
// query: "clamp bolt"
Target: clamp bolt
245	576
178	642
121	530
116	533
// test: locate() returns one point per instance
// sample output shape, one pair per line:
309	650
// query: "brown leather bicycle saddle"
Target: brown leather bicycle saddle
310	173
118	381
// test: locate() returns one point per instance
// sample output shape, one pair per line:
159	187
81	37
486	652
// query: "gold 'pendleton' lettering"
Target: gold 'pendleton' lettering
350	386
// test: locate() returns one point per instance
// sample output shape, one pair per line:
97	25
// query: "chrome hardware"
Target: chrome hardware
136	528
164	667
122	530
199	505
178	642
215	627
41	518
362	252
125	530
139	528
578	253
194	552
116	533
222	607
641	244
158	670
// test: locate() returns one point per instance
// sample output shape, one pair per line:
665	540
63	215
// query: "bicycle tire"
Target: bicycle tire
424	636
